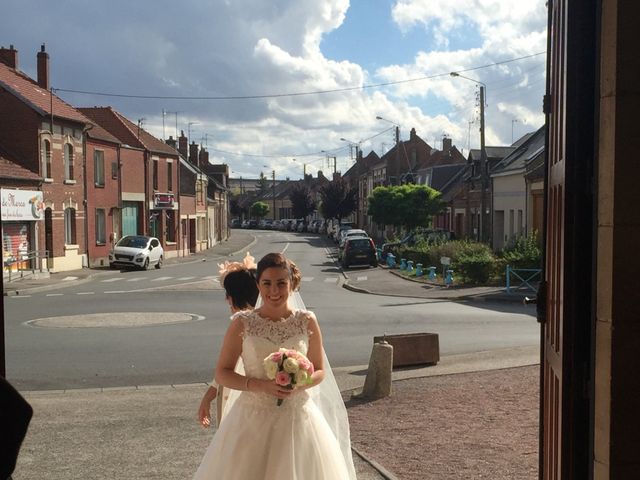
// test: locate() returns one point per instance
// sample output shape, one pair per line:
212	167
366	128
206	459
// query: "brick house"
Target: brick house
103	194
149	179
46	136
22	217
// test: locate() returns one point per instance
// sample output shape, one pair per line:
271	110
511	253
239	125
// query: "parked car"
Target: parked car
235	223
137	251
276	225
244	224
350	232
252	224
359	251
342	226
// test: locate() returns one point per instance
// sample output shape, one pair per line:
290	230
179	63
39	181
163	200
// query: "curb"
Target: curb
386	474
460	298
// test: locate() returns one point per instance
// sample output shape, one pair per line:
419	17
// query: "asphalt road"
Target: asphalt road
131	348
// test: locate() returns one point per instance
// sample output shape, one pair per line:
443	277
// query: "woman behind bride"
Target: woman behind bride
258	439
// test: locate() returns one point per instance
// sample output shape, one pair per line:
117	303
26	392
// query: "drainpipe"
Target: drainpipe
85	201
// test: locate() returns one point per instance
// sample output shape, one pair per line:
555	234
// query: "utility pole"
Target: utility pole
484	171
273	176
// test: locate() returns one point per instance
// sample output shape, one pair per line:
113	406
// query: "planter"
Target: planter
413	348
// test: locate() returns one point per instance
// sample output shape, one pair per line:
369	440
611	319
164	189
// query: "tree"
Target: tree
259	209
338	199
408	205
302	204
262	185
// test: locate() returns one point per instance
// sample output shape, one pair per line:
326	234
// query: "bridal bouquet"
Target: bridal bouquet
289	368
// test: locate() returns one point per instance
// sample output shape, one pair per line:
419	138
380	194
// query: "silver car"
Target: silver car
137	251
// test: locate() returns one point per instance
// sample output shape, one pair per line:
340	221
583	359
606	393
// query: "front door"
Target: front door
552	398
48	235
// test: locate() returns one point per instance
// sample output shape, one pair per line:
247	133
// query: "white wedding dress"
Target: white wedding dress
258	440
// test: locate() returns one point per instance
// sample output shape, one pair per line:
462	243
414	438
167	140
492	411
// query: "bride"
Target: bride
307	436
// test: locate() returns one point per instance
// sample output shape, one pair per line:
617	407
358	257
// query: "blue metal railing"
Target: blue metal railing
527	277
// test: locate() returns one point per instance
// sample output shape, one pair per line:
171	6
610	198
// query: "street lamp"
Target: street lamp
273	176
352	144
484	168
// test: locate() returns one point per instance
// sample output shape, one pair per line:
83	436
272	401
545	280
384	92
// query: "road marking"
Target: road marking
109	280
54	294
332	280
185	278
85	293
116	291
20	296
285	248
66	279
210	277
307	279
361	279
137	279
161	279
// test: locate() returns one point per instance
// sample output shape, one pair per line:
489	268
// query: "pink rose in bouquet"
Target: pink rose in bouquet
289	368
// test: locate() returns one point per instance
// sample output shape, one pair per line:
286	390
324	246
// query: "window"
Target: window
70	226
98	168
170	176
199	198
155	243
68	161
114	170
46	158
170	232
101	227
155	174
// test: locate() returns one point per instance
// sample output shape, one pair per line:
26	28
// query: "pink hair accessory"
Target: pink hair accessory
227	267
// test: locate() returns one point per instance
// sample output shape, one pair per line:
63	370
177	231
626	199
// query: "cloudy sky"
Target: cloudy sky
264	82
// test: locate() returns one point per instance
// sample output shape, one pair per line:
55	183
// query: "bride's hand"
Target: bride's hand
204	412
270	387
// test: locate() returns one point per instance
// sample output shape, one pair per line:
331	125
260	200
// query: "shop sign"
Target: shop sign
163	200
21	205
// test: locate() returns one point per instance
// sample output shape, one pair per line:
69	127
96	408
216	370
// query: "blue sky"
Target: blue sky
208	48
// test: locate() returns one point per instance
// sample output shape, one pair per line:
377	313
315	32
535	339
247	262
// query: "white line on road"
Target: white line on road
161	279
137	279
361	279
332	280
85	293
20	296
185	278
210	277
109	280
307	279
55	294
66	279
285	248
116	291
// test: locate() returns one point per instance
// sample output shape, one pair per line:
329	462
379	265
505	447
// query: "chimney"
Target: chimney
203	159
412	134
43	68
193	153
446	144
183	144
336	176
171	142
9	56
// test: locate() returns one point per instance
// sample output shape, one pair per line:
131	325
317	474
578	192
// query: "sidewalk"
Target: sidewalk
238	241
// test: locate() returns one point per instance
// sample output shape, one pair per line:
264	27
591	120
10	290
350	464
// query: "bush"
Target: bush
476	268
524	253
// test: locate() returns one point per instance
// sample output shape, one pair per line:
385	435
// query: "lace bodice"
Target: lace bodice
262	336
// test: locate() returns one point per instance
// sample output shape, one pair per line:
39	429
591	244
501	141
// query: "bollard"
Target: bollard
391	260
432	273
410	266
403	264
377	384
379	253
448	279
419	271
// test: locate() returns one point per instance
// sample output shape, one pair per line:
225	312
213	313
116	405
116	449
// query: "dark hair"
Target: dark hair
241	287
277	260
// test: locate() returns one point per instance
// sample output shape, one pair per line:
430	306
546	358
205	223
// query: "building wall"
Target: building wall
509	197
19	128
104	197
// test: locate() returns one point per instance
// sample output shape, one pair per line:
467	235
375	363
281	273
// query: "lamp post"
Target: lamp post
273	176
484	167
352	144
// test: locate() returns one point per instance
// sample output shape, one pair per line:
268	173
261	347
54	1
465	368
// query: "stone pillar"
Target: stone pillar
378	381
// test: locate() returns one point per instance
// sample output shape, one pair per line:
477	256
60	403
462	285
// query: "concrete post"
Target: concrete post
378	381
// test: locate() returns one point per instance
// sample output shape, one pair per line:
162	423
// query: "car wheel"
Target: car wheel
112	266
145	266
159	264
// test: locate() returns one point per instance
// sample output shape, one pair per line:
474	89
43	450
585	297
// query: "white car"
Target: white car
137	251
351	232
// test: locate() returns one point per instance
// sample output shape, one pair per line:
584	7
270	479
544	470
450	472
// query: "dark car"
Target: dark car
359	251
